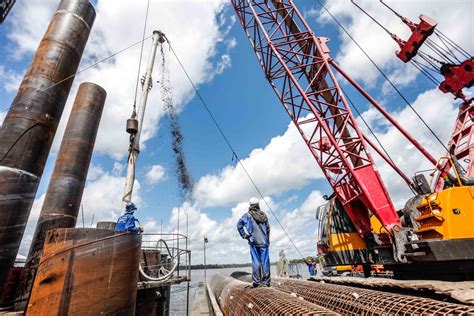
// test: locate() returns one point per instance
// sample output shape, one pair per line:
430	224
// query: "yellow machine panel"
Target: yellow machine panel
346	242
448	214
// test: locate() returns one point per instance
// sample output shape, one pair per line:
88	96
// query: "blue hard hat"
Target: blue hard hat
130	207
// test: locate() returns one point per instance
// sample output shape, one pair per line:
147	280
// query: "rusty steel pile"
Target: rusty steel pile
235	296
68	270
64	194
30	125
87	271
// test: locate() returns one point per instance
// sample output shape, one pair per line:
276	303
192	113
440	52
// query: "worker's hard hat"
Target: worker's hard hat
253	201
130	207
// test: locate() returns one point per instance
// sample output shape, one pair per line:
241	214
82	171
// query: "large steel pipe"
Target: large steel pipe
239	298
30	125
64	194
86	271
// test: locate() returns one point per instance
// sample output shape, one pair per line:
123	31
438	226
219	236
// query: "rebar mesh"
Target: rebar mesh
239	298
356	301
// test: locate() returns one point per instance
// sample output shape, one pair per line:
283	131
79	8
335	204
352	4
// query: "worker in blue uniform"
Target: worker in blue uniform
254	227
126	222
311	265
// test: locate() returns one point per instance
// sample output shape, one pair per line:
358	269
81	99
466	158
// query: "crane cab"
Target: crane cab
339	242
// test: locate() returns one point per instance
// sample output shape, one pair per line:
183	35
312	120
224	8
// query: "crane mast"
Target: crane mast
298	66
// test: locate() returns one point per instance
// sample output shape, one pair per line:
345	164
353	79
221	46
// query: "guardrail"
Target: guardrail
164	257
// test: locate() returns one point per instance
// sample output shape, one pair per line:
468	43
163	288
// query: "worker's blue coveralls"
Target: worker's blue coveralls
311	266
258	235
126	222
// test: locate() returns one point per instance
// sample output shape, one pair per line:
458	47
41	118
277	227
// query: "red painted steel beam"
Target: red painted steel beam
297	66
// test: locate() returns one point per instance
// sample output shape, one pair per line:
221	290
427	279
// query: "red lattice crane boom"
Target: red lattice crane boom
298	66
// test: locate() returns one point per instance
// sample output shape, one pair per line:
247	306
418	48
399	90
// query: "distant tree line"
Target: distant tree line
232	265
220	266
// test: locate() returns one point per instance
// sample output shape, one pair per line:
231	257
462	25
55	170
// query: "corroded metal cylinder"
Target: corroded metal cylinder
239	298
64	194
30	125
86	271
106	225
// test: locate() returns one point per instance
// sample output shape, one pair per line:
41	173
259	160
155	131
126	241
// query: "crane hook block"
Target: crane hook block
420	32
132	125
457	77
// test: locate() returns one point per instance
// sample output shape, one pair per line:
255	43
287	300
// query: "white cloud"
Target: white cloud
378	44
225	244
196	42
29	20
102	197
155	174
11	81
301	225
284	163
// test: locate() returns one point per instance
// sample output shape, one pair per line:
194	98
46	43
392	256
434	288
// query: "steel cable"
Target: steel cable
384	75
79	71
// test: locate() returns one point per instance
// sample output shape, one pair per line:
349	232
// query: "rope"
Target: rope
206	107
390	8
366	13
385	76
141	55
417	65
78	72
424	70
453	43
444	42
440	51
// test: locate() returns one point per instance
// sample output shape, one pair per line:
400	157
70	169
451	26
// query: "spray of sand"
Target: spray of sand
182	172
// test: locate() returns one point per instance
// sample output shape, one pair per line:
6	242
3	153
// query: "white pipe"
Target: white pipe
135	147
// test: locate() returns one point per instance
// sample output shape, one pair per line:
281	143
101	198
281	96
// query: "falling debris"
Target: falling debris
184	178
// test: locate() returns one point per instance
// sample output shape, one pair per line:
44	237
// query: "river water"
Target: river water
178	292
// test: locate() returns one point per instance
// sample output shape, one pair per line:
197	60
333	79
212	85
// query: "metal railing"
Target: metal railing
164	257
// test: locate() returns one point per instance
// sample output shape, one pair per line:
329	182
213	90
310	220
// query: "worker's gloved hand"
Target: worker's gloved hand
141	229
247	237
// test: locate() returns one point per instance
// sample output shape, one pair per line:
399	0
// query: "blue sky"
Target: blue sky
217	54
